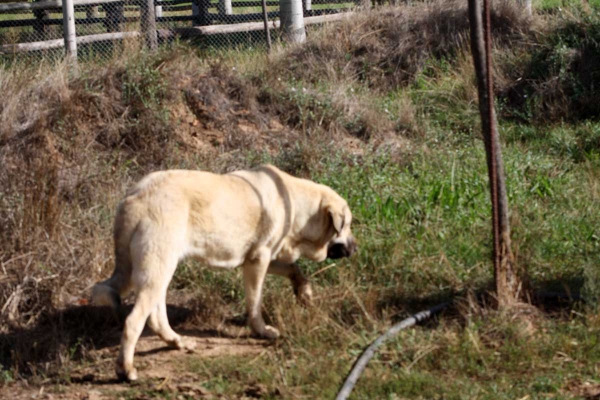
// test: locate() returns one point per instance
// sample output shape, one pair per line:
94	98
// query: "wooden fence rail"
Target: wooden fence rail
50	4
169	5
164	34
150	13
213	17
56	21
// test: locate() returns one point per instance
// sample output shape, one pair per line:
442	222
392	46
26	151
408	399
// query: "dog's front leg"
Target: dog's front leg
300	284
255	271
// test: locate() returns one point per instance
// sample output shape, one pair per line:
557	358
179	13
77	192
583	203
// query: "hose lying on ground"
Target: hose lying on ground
361	363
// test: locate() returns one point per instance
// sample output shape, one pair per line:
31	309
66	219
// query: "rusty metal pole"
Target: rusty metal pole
508	284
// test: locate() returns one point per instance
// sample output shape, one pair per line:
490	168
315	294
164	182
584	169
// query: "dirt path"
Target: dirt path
162	371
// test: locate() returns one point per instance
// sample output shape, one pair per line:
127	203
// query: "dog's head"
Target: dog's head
338	216
322	228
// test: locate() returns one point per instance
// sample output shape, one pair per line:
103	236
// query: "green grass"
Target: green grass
423	228
547	5
438	204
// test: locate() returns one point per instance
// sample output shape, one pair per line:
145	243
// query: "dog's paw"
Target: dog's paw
269	333
304	294
186	344
127	376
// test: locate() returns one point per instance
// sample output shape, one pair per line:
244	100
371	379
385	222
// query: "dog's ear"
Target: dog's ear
335	217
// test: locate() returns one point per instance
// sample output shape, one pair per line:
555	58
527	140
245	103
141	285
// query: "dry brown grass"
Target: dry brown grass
70	146
388	48
62	142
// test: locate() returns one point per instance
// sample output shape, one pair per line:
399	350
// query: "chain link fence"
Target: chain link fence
102	27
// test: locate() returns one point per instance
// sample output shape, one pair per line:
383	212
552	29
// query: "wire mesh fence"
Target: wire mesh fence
104	26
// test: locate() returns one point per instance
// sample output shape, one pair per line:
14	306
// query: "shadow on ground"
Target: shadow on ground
555	298
71	333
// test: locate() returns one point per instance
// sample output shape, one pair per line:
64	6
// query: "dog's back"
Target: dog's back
193	206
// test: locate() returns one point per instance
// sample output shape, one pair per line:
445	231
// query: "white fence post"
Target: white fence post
225	7
69	30
149	24
292	20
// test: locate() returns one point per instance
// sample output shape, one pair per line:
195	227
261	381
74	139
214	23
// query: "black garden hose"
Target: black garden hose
361	363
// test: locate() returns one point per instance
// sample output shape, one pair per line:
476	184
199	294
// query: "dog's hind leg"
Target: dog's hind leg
134	324
254	272
159	323
151	275
301	285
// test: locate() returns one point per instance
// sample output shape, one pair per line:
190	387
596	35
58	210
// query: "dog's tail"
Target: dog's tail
110	291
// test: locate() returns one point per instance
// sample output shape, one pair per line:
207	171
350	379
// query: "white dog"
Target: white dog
262	220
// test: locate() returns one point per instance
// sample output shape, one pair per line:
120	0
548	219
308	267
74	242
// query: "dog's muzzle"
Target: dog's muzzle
339	250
